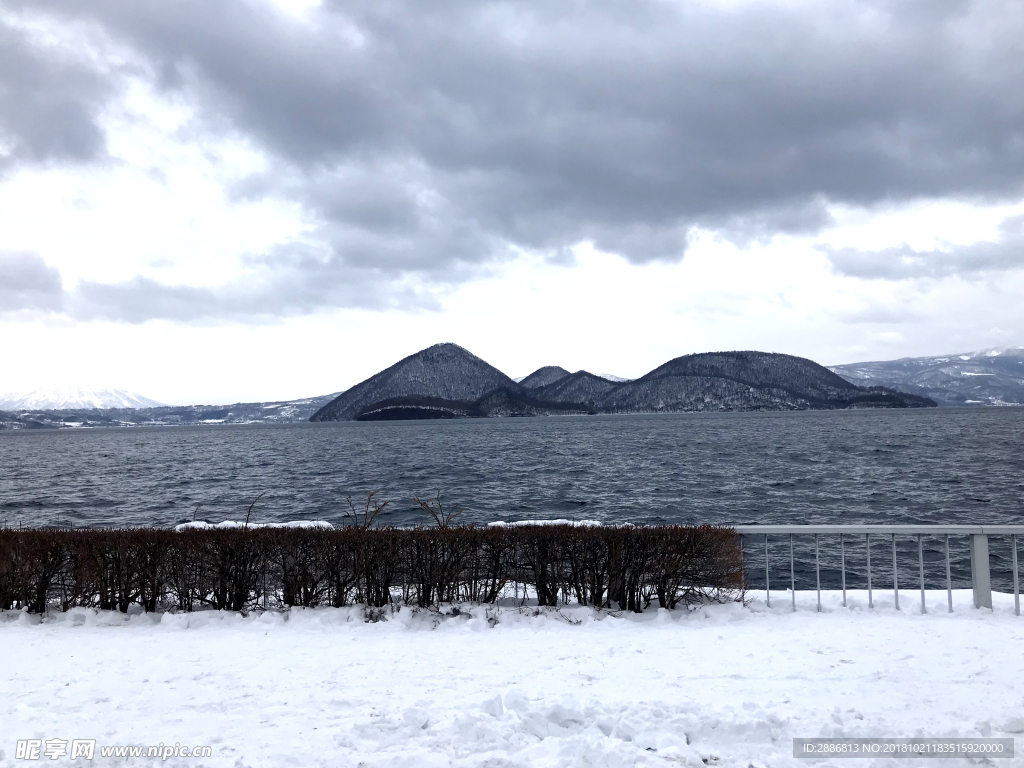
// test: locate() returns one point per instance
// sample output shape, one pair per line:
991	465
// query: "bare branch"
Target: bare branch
250	508
442	518
371	511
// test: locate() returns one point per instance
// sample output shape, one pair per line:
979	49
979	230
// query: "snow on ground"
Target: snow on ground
729	685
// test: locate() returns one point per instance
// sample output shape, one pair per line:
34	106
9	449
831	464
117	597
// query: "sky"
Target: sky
242	200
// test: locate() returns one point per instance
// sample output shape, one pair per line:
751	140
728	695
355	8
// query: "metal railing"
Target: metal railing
981	578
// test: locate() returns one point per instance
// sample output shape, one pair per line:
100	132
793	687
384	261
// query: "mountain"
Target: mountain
497	402
69	397
760	369
446	381
986	377
278	412
613	377
549	374
506	402
443	371
418	407
21	421
579	387
744	381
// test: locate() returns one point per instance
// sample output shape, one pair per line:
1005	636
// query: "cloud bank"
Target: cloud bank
426	142
903	262
27	283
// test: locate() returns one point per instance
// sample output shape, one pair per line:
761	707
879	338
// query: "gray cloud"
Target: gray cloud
430	139
48	104
880	313
292	287
903	262
27	283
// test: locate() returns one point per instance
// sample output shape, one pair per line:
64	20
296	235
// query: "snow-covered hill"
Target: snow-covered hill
986	377
443	371
66	397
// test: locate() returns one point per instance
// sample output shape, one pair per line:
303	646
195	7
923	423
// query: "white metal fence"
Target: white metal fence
981	578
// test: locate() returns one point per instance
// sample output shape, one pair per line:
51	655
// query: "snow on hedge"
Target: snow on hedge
527	523
725	685
203	525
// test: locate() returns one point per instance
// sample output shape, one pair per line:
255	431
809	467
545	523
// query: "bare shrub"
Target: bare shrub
299	561
437	558
442	517
697	564
491	564
540	559
34	563
243	569
235	576
380	555
341	563
371	511
187	570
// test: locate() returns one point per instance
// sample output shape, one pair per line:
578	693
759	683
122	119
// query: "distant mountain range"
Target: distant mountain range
283	412
447	381
987	377
69	397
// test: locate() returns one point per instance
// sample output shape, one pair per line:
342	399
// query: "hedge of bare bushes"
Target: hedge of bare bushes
623	568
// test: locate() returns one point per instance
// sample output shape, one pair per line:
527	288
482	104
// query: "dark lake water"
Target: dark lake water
914	466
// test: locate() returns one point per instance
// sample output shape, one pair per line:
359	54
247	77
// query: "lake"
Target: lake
865	466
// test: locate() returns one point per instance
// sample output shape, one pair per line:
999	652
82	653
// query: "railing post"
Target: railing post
767	584
817	570
1016	577
920	569
842	561
895	576
981	577
743	560
792	572
867	544
949	578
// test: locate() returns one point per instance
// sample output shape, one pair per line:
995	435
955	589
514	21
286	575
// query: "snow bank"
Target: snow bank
725	685
203	525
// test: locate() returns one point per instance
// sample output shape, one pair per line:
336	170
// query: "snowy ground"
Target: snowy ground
729	685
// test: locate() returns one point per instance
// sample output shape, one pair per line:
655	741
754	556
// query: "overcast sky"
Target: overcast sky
248	200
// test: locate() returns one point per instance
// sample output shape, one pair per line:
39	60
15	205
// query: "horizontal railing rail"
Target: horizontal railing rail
900	530
981	579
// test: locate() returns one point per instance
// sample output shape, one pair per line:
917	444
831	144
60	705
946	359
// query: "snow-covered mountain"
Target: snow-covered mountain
443	371
447	381
987	377
549	374
68	397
